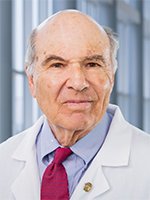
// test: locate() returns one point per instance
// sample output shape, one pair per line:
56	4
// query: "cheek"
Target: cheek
107	80
103	87
48	87
40	91
107	86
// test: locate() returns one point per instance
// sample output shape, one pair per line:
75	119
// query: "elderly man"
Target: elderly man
82	148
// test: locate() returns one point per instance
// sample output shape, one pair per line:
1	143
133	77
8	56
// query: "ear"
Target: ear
31	82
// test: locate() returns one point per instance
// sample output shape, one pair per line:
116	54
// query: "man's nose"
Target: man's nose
77	78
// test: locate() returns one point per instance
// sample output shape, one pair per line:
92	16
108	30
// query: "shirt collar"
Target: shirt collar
86	147
48	140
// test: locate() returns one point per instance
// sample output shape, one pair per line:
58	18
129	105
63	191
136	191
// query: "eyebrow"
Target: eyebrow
52	57
94	57
90	58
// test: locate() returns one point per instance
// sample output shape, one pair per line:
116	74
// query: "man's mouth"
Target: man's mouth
78	103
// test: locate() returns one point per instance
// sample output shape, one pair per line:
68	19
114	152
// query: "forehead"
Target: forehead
71	33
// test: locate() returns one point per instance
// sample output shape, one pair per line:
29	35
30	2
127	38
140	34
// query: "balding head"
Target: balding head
65	14
72	24
72	18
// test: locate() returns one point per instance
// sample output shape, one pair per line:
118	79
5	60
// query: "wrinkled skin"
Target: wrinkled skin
73	76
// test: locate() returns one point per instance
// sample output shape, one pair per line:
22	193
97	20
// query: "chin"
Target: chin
78	125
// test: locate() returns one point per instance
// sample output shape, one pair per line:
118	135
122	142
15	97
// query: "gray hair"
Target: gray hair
114	46
30	52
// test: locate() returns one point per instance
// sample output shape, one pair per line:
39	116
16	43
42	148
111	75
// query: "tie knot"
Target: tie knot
61	154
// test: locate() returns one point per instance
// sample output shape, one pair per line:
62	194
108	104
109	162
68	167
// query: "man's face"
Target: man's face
73	75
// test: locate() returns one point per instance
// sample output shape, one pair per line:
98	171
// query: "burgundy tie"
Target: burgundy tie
55	181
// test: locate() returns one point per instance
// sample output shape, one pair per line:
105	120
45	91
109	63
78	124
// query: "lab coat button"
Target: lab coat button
87	187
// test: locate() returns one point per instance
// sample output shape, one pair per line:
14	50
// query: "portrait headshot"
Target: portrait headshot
89	141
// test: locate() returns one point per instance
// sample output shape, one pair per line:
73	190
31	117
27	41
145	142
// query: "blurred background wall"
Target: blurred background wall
130	19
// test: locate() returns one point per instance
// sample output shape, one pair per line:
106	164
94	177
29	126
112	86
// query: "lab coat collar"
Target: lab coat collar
27	185
114	153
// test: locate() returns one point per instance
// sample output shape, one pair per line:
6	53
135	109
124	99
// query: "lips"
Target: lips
78	105
78	101
74	101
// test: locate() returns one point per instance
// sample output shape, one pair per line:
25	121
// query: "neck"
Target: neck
67	138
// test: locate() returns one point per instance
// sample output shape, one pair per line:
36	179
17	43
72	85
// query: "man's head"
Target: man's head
31	54
70	66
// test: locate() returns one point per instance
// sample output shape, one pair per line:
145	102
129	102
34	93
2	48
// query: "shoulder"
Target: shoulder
140	141
8	147
11	144
120	122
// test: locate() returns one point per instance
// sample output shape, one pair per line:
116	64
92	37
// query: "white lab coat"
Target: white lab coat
120	171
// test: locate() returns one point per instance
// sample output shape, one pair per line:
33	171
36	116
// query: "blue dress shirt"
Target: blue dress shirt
84	150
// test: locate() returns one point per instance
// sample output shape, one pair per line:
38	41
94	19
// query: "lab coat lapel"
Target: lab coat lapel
95	176
27	185
114	153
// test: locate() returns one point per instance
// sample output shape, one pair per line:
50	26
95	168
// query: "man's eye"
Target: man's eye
92	65
57	65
